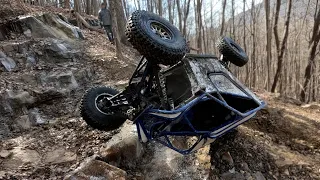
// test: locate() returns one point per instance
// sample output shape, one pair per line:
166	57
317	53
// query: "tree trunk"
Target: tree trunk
253	36
126	10
283	46
179	14
198	7
160	7
224	3
95	7
275	27
67	4
88	5
233	21
121	22
312	54
186	14
170	11
115	28
77	6
269	37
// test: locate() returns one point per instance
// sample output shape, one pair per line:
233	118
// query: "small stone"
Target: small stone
8	63
8	48
2	55
228	158
204	158
2	174
31	60
35	118
245	167
5	154
259	176
27	33
286	172
232	176
24	122
18	55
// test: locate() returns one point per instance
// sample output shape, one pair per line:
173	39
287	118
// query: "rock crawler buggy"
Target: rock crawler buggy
185	104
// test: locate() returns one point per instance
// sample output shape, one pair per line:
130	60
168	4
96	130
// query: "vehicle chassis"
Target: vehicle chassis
166	116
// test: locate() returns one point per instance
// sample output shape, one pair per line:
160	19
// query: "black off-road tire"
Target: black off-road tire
232	52
95	117
155	48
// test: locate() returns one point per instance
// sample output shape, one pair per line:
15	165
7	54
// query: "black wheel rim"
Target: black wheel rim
102	103
161	31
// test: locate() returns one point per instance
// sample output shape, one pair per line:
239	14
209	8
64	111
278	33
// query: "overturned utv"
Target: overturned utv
183	101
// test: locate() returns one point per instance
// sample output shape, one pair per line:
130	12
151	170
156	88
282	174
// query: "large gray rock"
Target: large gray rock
59	23
165	163
48	94
20	99
12	102
37	28
60	80
93	169
24	122
48	25
58	51
124	149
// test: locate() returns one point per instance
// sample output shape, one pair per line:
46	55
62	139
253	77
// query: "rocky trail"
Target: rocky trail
43	76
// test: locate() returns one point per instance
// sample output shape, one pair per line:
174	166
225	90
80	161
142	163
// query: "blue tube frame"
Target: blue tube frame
182	115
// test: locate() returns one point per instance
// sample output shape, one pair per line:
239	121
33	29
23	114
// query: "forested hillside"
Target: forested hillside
74	99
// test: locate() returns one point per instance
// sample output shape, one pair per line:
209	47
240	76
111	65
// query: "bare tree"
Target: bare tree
121	21
77	6
179	14
67	4
115	28
284	43
269	38
170	11
198	19
126	9
312	54
88	7
95	7
224	3
233	19
160	7
186	11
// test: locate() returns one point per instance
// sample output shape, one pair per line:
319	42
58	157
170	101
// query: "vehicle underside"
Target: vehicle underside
183	101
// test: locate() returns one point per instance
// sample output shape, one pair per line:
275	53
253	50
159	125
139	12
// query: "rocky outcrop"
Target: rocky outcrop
124	149
47	25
